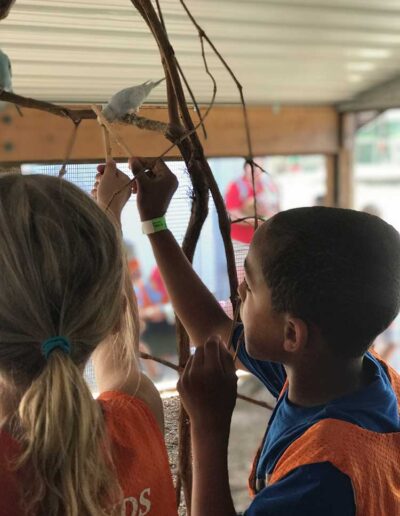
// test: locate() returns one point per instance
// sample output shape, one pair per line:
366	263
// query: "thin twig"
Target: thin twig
76	115
70	146
253	184
160	15
202	35
238	346
107	143
147	356
256	165
233	326
195	104
117	138
251	217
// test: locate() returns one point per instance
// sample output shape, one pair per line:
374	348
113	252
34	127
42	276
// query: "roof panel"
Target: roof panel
288	51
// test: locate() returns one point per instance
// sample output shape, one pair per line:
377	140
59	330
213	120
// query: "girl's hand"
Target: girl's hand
155	185
112	188
208	386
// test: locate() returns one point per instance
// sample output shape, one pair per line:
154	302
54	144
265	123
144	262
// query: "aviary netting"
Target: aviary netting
181	131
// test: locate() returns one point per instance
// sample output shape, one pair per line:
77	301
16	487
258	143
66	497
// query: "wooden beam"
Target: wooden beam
385	95
42	137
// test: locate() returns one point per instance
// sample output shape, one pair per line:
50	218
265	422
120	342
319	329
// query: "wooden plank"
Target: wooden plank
331	167
39	136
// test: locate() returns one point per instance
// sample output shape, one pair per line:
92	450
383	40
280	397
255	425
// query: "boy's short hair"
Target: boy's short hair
336	268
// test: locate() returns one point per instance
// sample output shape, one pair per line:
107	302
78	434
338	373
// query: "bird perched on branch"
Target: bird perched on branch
6	78
128	100
5	6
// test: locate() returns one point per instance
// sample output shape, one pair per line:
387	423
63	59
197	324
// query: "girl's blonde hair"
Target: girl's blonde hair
62	273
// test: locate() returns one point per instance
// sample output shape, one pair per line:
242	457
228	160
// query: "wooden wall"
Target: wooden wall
39	136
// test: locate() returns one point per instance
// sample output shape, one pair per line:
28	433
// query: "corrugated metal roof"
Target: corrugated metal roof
289	51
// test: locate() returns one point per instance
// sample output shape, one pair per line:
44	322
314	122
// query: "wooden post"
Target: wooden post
332	183
348	129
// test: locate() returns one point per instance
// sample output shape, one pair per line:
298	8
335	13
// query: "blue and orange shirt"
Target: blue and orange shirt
303	465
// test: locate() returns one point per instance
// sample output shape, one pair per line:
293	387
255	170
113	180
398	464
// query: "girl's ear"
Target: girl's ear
295	334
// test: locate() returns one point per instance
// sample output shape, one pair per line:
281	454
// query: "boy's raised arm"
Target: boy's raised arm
194	304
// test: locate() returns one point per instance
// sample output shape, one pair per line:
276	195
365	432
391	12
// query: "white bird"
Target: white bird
5	78
128	100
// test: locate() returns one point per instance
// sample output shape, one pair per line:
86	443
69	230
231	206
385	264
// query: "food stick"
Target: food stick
234	322
103	121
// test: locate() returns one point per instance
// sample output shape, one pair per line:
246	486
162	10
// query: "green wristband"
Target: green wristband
154	225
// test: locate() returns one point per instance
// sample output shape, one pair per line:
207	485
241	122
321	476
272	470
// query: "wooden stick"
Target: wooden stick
70	146
118	139
240	341
178	369
107	143
234	322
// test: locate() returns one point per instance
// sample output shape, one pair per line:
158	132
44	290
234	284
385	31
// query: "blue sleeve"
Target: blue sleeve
312	490
271	374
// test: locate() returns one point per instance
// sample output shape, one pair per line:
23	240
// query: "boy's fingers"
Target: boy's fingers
160	168
226	359
211	350
197	359
183	379
100	168
138	168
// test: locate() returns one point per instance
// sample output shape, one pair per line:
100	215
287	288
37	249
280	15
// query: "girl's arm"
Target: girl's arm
114	374
113	371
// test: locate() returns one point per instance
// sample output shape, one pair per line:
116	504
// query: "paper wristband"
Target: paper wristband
154	225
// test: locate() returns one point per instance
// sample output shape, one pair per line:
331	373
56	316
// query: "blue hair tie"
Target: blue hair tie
50	345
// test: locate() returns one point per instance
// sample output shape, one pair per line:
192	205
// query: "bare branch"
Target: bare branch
147	356
245	219
76	115
71	143
202	35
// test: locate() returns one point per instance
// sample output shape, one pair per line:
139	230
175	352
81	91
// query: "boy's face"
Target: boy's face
263	327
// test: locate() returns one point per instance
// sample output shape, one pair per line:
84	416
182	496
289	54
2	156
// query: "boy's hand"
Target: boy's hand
154	189
208	386
112	188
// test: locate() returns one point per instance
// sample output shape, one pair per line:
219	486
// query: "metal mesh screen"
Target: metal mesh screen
209	260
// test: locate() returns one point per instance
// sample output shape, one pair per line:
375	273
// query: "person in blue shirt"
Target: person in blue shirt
320	284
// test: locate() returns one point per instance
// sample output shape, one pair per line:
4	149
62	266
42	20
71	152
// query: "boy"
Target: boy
320	285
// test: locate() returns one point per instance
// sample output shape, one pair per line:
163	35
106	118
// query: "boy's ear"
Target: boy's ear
295	334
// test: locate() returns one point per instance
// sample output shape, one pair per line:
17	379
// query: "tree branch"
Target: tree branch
166	363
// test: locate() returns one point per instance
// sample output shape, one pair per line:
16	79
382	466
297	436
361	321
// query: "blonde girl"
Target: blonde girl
63	299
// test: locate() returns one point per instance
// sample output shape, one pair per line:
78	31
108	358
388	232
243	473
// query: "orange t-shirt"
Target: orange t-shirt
139	455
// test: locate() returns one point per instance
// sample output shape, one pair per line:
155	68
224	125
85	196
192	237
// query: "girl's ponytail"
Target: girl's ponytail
62	273
62	432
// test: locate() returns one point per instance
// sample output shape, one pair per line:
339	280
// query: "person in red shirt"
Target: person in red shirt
239	199
64	298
